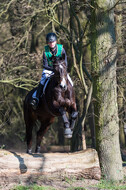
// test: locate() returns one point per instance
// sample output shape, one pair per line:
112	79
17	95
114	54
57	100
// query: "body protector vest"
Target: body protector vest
49	54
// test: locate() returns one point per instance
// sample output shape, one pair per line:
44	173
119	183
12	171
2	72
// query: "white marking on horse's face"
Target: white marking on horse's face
61	66
63	84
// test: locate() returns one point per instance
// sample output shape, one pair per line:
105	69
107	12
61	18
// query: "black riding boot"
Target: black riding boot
35	100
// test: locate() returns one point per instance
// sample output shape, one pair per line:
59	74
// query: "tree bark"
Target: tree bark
120	71
104	53
92	125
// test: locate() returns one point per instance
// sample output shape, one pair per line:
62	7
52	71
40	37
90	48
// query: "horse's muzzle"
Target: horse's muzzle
63	85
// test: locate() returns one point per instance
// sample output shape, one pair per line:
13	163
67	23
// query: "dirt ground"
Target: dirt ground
27	175
57	183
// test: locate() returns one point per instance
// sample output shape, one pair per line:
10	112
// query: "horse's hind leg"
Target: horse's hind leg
43	128
29	122
29	127
40	134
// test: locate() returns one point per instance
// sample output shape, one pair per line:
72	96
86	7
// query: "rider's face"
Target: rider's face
52	44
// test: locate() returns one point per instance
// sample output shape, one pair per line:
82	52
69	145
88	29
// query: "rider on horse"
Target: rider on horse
51	49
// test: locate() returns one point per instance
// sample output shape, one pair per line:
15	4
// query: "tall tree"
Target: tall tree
120	38
104	54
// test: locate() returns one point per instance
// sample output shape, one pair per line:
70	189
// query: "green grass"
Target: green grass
101	185
70	181
34	187
76	188
111	185
43	188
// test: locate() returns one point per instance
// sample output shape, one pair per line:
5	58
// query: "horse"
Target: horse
57	99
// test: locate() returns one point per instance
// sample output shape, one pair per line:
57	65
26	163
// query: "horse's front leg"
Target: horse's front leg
74	115
67	131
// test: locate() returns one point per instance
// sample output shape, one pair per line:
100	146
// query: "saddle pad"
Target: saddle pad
46	83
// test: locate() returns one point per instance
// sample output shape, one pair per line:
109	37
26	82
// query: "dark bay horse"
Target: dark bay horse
57	99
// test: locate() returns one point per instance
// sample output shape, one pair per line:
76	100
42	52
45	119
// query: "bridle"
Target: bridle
62	71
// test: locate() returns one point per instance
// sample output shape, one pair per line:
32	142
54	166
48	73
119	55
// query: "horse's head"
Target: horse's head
60	71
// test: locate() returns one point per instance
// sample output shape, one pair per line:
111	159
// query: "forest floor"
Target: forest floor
10	178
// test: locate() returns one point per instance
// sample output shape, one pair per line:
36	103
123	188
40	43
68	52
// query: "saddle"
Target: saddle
45	85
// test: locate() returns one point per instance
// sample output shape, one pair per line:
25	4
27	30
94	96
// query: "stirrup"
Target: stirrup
34	103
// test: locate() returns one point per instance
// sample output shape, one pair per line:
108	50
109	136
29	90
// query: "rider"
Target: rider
52	48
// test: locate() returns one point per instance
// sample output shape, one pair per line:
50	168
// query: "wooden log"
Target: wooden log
82	164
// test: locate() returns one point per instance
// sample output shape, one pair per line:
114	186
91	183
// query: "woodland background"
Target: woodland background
23	28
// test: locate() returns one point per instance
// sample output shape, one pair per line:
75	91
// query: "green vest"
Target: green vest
49	54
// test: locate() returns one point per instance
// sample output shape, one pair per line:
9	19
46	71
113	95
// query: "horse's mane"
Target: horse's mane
56	59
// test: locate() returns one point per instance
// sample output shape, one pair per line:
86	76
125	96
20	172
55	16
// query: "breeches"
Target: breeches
45	74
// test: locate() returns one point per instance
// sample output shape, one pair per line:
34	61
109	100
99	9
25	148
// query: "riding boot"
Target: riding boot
35	100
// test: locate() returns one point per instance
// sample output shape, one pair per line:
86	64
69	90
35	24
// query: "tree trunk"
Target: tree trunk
120	71
92	125
104	89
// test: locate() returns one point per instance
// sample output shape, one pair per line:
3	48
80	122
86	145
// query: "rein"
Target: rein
61	63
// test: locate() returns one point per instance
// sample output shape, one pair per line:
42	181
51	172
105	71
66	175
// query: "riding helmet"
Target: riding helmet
51	37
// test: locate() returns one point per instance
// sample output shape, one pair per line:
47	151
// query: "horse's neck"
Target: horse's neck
54	82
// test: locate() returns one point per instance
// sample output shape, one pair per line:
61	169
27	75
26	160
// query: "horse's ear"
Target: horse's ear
63	56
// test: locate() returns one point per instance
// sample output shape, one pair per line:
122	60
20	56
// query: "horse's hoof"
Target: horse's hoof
29	151
68	133
68	136
38	150
74	115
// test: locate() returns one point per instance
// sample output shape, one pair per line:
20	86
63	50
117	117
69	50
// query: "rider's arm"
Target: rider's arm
45	63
